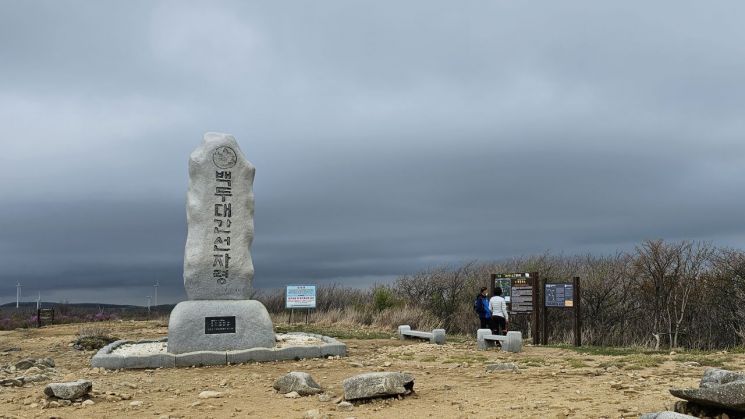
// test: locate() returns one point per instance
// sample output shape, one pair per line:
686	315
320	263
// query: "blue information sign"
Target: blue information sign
559	295
300	296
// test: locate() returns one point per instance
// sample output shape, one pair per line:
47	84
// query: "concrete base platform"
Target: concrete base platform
219	325
107	357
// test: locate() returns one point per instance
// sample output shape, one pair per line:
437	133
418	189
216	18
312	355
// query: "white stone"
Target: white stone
209	394
68	390
217	260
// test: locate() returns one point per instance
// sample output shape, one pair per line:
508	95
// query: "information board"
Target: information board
517	288
559	295
522	299
300	296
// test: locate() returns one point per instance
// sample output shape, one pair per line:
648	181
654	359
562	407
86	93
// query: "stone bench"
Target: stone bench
435	336
512	342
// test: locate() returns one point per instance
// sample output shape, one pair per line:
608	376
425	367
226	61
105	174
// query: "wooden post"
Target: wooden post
534	317
544	314
577	312
289	321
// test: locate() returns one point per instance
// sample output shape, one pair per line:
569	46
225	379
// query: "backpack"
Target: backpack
477	306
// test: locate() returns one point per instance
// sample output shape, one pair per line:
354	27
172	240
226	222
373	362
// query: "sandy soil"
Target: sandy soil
450	381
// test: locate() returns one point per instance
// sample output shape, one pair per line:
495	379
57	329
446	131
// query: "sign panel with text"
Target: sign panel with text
300	296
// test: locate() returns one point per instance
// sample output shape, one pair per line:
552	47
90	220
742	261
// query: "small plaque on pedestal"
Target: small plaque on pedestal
214	325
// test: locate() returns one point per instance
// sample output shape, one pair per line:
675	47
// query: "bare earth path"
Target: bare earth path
450	381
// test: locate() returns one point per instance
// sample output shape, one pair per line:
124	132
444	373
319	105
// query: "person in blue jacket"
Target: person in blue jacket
481	307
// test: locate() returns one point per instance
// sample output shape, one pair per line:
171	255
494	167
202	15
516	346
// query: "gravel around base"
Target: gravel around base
144	348
152	348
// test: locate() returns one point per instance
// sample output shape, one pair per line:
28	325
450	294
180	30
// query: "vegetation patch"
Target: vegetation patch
533	362
92	338
576	363
471	359
704	359
609	350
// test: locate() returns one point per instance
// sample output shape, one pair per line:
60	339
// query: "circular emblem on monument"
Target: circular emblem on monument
224	157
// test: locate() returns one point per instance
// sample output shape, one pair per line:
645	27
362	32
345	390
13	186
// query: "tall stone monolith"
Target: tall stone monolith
219	212
218	269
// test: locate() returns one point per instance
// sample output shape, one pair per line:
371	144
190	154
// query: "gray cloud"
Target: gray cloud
387	138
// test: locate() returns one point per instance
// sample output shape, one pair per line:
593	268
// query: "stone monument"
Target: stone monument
218	270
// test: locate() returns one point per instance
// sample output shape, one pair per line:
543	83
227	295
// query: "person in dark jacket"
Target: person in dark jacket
481	307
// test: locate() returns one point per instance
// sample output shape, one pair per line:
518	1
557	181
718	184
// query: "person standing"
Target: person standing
498	309
481	307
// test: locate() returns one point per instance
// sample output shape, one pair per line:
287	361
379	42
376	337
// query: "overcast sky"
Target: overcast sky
388	136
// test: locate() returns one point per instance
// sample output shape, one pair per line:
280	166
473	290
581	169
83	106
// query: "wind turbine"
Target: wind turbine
148	304
38	301
157	284
18	294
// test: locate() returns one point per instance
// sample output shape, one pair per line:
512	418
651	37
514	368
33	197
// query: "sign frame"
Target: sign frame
525	282
303	292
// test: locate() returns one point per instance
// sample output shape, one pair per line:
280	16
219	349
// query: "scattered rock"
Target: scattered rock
324	398
718	388
88	402
292	395
345	407
715	377
68	390
504	366
25	364
33	370
11	382
135	403
314	414
377	384
127	384
300	382
209	394
48	362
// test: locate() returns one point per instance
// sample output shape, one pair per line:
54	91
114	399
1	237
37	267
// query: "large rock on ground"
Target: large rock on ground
68	391
715	377
666	415
301	382
378	384
728	396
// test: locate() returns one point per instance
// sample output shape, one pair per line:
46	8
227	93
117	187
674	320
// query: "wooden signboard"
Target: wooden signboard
523	296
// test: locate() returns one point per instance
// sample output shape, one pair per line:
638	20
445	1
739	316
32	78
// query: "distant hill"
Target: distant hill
87	306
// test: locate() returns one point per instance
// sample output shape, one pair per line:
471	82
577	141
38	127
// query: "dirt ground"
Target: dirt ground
450	381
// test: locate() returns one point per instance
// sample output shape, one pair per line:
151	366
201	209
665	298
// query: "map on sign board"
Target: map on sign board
300	296
559	295
506	285
517	289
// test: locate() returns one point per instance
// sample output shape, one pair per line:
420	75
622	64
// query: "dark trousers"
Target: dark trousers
484	323
498	325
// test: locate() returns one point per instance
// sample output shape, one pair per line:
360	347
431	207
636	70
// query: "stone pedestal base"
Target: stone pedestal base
219	325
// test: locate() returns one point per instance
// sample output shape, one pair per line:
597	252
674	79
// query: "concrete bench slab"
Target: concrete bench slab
512	342
436	336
